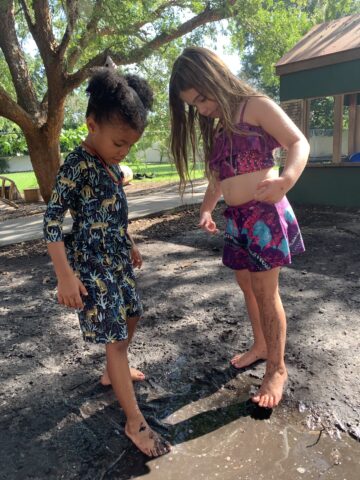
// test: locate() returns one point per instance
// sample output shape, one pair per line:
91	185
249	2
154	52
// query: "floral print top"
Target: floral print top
98	205
245	152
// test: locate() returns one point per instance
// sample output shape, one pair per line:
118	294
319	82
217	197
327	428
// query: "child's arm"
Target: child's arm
67	188
212	195
274	120
135	254
70	287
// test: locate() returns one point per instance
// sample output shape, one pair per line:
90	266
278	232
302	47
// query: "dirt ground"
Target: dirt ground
57	422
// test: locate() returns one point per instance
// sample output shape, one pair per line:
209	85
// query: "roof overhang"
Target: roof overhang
343	78
326	44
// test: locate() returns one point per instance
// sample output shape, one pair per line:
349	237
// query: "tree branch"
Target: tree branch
89	33
27	15
41	30
207	16
91	29
72	13
12	111
134	28
43	25
50	51
15	59
138	54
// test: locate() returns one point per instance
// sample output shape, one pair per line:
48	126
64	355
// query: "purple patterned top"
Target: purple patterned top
242	153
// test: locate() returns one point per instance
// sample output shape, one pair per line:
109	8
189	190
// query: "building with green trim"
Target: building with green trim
326	63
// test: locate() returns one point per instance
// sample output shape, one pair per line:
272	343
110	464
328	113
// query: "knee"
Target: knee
257	286
244	281
263	289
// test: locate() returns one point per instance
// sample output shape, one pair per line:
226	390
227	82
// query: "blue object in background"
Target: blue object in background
355	157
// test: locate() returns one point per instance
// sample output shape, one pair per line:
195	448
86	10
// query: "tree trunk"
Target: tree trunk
44	151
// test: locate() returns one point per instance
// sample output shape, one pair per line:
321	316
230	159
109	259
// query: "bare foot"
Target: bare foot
243	360
136	376
271	390
146	440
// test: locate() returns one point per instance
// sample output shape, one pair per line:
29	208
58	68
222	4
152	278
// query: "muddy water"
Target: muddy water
224	436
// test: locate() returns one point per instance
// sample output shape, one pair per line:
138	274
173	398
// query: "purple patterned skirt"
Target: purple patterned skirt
260	236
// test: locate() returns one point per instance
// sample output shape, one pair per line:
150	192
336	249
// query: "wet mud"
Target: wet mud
224	436
57	422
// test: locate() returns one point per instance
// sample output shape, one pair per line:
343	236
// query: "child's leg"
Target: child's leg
258	351
136	428
131	325
136	375
273	322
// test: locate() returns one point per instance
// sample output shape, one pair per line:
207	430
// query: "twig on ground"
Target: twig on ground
318	439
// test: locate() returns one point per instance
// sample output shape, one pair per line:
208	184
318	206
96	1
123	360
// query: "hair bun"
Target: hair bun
106	85
129	98
142	88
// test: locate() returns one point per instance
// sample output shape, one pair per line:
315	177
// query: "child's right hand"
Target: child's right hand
70	290
207	223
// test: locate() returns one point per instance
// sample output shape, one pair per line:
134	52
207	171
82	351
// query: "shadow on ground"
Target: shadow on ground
60	423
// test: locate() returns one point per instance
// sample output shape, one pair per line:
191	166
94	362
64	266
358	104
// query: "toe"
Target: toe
157	452
164	447
263	402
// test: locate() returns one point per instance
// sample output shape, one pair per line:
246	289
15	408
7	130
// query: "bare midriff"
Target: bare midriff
242	188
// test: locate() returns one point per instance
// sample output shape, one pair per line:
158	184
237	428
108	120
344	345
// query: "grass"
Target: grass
22	179
163	172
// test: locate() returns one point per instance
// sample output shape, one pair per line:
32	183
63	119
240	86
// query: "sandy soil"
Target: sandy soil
58	423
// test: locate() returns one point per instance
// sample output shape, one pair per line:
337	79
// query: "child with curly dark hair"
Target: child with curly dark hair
94	263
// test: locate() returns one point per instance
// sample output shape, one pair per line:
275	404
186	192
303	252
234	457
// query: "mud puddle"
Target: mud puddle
225	436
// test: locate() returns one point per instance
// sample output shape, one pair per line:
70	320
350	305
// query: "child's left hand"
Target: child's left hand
136	257
271	190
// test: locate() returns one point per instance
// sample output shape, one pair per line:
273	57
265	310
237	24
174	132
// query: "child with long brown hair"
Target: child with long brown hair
239	128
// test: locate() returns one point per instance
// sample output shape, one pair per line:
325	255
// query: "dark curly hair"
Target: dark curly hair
127	98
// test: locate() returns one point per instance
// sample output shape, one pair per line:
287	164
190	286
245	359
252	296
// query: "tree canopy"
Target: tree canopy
49	47
273	27
72	38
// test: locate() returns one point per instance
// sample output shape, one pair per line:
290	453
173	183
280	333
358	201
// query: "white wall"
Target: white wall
19	163
22	163
153	155
322	146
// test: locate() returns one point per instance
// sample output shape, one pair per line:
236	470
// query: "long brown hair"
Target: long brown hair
203	70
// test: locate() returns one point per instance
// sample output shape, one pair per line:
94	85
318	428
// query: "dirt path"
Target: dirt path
58	423
8	212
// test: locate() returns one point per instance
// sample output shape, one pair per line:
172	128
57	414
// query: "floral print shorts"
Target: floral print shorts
260	236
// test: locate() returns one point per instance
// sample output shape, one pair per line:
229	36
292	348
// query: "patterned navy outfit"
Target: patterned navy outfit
98	248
